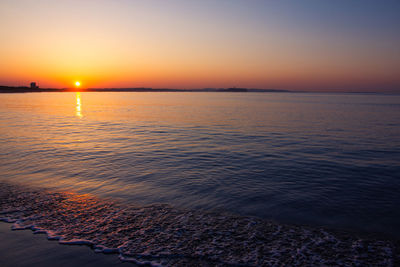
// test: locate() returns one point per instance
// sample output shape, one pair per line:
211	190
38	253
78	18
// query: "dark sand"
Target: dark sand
23	248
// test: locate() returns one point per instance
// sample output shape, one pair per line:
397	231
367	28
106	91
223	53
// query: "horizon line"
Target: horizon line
5	88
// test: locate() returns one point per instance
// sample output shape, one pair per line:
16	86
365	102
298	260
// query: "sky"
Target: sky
312	45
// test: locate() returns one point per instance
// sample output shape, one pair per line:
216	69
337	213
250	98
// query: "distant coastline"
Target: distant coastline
22	89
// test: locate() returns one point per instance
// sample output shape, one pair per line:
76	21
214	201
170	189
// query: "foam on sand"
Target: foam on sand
163	235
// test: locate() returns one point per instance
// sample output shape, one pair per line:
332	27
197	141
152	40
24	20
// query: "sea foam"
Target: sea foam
161	235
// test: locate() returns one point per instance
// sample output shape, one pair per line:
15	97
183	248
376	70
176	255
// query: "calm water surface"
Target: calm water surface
319	159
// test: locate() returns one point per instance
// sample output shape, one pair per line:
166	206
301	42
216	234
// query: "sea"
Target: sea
313	160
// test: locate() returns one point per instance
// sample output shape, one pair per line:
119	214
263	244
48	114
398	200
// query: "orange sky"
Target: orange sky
186	44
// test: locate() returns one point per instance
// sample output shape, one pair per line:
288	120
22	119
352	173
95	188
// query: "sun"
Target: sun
77	83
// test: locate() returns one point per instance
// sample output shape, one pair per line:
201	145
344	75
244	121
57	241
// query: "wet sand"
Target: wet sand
23	248
167	236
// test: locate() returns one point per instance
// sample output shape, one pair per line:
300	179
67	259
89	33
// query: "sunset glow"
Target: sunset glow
77	83
78	105
199	44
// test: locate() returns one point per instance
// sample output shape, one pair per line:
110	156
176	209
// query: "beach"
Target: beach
163	235
24	249
200	133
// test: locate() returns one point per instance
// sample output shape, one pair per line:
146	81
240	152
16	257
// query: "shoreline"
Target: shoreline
25	249
22	89
163	235
7	89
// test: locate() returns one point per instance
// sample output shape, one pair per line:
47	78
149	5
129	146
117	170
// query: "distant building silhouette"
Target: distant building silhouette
34	86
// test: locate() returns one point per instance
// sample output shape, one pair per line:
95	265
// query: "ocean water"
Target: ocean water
329	160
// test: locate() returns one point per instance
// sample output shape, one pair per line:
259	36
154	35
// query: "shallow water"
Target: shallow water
160	235
318	159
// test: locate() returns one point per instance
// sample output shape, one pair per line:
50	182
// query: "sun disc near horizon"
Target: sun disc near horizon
77	83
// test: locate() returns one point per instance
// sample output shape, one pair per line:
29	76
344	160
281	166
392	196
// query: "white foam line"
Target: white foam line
159	235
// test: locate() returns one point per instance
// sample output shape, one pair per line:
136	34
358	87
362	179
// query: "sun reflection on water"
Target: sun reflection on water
78	105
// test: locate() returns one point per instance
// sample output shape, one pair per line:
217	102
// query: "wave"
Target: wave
161	235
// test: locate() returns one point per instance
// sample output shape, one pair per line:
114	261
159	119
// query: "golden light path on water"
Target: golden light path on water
78	105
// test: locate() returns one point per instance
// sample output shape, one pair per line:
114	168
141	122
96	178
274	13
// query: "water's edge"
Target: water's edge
163	235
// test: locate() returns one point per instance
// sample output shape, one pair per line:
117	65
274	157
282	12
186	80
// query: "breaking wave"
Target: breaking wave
163	235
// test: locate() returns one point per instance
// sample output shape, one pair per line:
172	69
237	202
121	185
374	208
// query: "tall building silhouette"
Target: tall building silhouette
34	86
